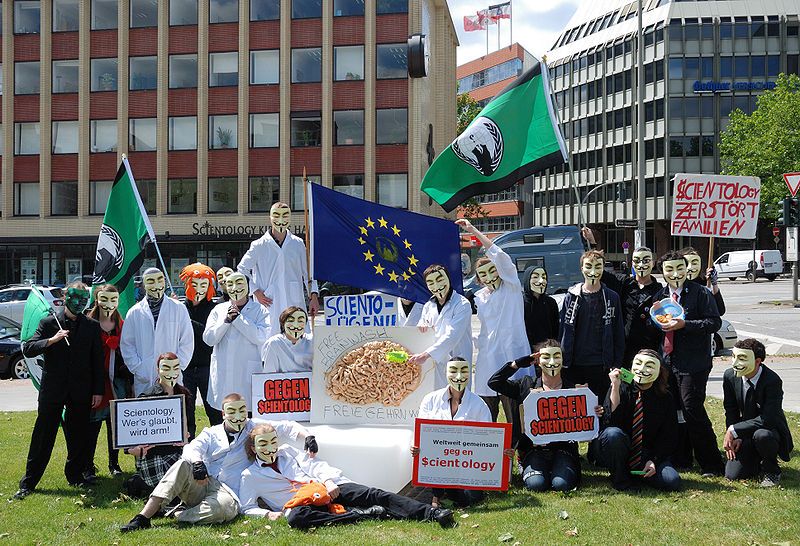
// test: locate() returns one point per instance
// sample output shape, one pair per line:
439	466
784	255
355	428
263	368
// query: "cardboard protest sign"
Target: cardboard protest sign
148	421
354	383
561	415
278	396
370	309
707	205
462	454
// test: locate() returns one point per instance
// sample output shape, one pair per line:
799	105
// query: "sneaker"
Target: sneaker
373	512
770	480
138	522
444	517
21	493
115	470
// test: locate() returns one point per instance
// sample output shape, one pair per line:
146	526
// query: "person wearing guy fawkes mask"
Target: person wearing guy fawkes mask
72	383
155	325
291	350
709	279
541	310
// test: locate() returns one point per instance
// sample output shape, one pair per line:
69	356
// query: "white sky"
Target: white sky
537	24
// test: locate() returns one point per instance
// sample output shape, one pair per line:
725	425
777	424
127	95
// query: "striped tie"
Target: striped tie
635	460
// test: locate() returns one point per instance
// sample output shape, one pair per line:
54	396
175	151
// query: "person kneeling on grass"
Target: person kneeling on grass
280	475
641	427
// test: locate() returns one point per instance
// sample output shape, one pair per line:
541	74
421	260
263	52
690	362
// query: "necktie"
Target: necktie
635	459
748	399
668	337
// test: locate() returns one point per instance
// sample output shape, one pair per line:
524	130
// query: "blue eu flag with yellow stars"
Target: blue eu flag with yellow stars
375	247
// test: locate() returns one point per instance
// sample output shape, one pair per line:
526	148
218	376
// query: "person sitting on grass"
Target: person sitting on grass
757	430
641	427
279	472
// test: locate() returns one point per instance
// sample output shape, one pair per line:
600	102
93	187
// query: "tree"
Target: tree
468	109
766	143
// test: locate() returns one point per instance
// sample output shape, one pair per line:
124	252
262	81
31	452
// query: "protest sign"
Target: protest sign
370	309
560	416
462	454
148	421
707	205
278	396
354	383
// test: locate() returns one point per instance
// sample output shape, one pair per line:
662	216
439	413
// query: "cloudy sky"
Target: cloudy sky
537	24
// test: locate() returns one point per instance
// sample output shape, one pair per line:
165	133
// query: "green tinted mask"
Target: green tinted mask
76	300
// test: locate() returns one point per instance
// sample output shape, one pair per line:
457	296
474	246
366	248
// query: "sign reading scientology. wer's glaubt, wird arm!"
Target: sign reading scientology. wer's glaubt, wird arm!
156	420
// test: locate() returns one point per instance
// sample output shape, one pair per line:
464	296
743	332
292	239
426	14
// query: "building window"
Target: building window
391	6
144	13
182	71
343	8
676	68
306	129
264	130
104	14
26	78
350	184
741	66
392	61
103	135
183	133
348	63
26	198
296	197
142	137
265	66
182	12
264	190
147	191
223	69
26	19
223	11
726	67
305	9
265	10
99	192
65	76
65	137
348	127
222	132
391	126
104	74
182	196
223	195
26	138
65	15
773	65
393	190
63	198
143	73
307	65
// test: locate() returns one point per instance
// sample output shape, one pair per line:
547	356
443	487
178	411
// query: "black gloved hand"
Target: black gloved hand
311	444
524	362
713	276
199	471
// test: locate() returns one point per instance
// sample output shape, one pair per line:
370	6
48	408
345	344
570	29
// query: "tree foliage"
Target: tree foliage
766	143
468	109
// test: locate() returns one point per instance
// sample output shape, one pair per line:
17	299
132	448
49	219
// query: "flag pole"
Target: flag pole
487	38
308	241
511	22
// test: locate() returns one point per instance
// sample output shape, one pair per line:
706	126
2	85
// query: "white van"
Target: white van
768	263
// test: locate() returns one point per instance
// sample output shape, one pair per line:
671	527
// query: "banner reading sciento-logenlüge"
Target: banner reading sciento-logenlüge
709	205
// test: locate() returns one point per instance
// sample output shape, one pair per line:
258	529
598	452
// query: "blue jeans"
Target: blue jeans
614	453
554	469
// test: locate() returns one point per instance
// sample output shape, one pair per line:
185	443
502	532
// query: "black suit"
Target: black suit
196	374
71	374
758	420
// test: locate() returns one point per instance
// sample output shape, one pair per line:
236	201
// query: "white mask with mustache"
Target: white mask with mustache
744	362
592	270
642	263
458	375
645	369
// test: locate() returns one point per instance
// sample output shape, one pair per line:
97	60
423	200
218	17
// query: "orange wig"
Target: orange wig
198	271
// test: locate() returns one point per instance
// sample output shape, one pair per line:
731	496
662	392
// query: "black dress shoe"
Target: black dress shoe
444	517
138	522
373	512
21	493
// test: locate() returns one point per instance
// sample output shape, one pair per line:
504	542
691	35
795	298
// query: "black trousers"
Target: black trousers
595	376
759	453
461	497
94	436
76	423
195	379
691	390
353	495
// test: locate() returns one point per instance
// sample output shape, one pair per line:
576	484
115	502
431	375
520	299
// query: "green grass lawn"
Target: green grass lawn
705	512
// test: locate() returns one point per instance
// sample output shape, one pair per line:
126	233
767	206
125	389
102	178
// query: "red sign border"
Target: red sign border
507	428
794	190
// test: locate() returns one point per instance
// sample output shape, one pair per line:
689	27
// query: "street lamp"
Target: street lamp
620	194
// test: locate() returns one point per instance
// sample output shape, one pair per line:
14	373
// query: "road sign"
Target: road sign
791	244
776	239
793	182
626	223
776	231
626	245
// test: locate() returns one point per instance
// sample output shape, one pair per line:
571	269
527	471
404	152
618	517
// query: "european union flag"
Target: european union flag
360	243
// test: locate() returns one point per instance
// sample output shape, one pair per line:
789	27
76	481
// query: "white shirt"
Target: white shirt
410	319
436	405
276	489
281	355
453	328
745	388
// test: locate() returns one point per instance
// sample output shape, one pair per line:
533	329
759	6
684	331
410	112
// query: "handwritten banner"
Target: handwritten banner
707	205
278	396
370	309
462	454
560	416
154	420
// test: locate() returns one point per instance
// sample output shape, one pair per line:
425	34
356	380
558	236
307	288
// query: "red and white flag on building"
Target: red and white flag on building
474	22
485	18
499	11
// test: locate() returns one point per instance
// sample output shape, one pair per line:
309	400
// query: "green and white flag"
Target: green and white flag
125	232
515	135
36	308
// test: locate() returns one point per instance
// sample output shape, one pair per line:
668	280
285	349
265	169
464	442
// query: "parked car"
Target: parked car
725	338
740	263
12	363
13	298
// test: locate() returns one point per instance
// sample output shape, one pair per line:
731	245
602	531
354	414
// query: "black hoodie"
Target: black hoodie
541	313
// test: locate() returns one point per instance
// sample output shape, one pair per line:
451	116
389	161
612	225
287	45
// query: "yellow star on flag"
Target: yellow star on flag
370	223
368	256
393	276
363	230
413	261
408	245
396	230
378	269
383	222
406	276
362	241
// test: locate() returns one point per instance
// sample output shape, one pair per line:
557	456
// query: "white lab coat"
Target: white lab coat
280	271
141	344
281	355
237	349
260	482
411	319
436	405
227	460
502	336
453	328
